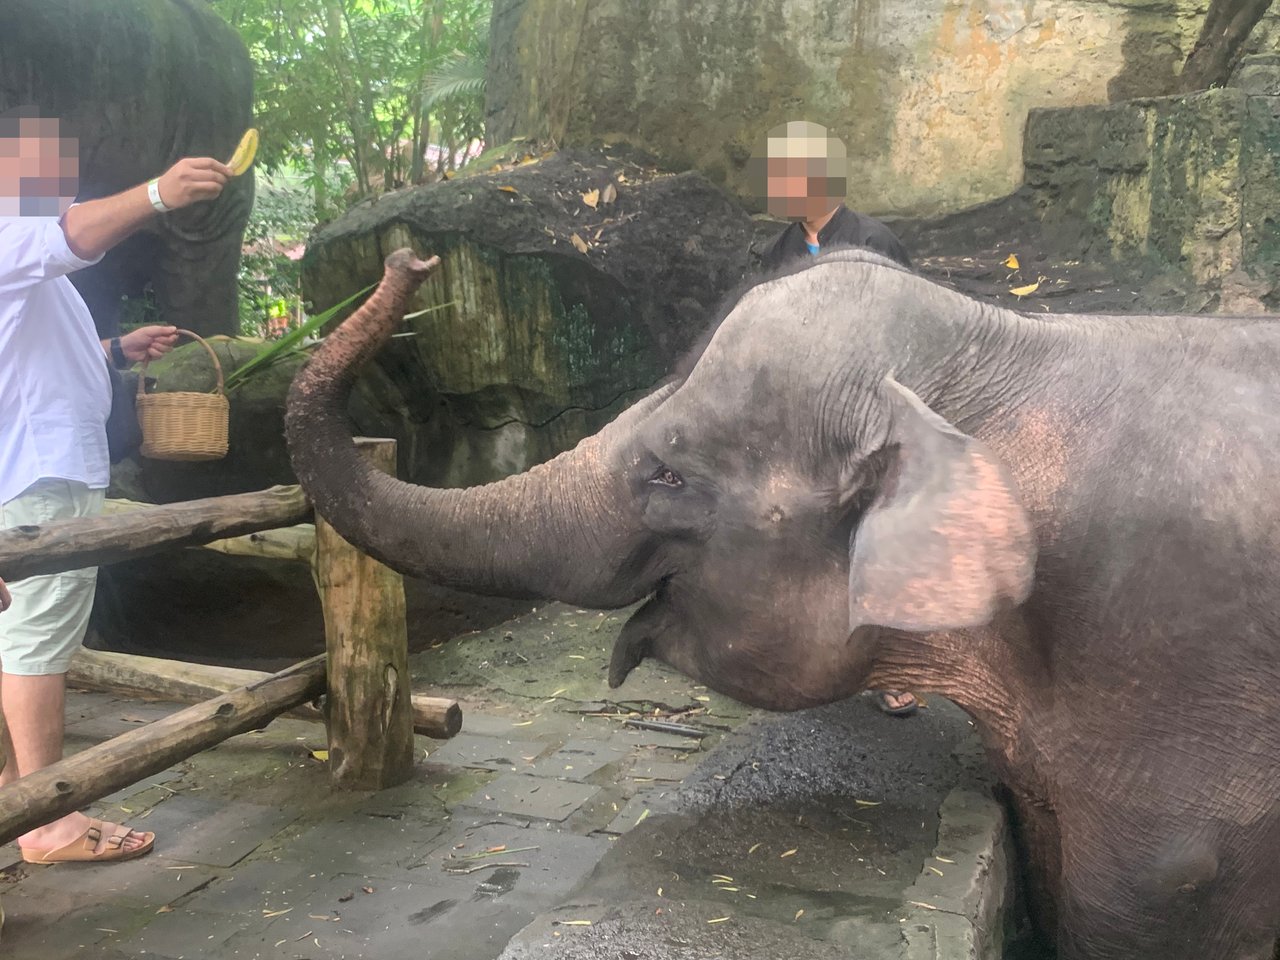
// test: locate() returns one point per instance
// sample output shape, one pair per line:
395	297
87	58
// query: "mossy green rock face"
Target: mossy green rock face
1188	184
533	339
931	97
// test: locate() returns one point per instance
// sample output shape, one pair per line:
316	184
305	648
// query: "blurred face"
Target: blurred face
39	169
803	171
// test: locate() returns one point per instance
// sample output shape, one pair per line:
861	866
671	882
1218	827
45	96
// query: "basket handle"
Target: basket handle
219	389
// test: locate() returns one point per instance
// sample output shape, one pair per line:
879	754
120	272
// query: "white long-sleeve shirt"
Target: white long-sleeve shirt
55	391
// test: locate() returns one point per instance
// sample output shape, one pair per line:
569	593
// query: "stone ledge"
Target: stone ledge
958	904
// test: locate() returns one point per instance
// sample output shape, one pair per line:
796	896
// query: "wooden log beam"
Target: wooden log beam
71	544
71	783
287	543
149	678
370	726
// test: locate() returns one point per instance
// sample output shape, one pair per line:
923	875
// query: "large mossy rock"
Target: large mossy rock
550	312
1185	185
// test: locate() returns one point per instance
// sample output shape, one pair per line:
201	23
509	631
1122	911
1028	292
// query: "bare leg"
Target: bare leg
34	714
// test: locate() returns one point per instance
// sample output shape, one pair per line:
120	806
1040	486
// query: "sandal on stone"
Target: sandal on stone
904	710
84	849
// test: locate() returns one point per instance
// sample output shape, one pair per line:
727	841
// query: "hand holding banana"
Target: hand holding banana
193	179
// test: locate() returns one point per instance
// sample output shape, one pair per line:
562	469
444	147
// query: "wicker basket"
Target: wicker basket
184	425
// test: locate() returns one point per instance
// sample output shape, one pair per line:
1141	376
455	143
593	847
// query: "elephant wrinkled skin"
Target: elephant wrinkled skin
1067	525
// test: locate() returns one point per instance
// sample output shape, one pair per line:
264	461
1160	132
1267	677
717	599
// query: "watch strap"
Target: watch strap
117	355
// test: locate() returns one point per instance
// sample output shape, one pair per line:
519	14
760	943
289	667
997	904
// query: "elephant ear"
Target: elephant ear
945	541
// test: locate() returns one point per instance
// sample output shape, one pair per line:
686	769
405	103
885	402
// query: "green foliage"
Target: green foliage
290	343
270	281
296	340
344	91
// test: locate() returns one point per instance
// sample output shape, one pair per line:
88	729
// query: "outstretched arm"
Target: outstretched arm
95	226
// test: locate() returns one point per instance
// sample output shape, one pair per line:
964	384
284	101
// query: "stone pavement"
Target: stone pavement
548	828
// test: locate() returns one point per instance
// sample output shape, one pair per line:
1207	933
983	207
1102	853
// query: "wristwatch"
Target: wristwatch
117	355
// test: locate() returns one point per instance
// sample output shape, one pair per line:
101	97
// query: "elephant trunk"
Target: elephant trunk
559	531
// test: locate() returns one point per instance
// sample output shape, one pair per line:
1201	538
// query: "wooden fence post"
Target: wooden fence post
370	718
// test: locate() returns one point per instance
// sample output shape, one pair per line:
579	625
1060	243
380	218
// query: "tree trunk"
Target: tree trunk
1227	26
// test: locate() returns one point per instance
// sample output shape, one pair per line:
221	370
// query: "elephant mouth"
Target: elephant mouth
635	640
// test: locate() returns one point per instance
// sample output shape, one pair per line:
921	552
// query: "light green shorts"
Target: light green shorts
44	628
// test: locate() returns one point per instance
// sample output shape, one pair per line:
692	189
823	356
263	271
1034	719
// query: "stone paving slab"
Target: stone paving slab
536	797
487	753
579	760
209	831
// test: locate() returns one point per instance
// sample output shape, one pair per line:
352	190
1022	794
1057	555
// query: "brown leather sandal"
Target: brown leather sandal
84	849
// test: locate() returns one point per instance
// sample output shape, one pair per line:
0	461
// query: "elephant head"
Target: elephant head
778	507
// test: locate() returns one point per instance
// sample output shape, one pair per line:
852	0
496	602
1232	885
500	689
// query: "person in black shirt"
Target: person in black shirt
804	174
838	227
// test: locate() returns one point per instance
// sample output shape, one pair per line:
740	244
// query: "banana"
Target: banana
242	159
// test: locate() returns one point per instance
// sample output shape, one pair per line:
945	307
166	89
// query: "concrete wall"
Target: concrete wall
931	96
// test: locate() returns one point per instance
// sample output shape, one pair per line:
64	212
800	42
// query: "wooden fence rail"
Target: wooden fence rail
150	678
71	544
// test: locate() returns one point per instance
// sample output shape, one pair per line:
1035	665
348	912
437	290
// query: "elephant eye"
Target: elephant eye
666	477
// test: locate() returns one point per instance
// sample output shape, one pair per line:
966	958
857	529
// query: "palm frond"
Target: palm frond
462	75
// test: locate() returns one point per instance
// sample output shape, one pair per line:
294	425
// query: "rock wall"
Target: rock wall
931	96
1187	183
541	339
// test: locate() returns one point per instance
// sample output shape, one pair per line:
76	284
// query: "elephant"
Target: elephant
142	84
865	480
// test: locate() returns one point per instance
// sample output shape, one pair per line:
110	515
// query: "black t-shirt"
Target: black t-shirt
844	229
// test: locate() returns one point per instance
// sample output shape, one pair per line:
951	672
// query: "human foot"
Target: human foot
897	703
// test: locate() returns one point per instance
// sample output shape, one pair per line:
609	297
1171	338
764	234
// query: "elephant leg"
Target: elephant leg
195	276
123	272
1162	886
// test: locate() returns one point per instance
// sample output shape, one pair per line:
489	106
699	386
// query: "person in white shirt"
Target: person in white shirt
55	394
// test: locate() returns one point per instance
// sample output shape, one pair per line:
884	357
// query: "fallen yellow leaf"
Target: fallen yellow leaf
1025	291
799	914
642	816
509	189
755	847
718	920
868	803
1012	262
574	923
321	755
523	723
582	247
610	194
789	853
591	198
